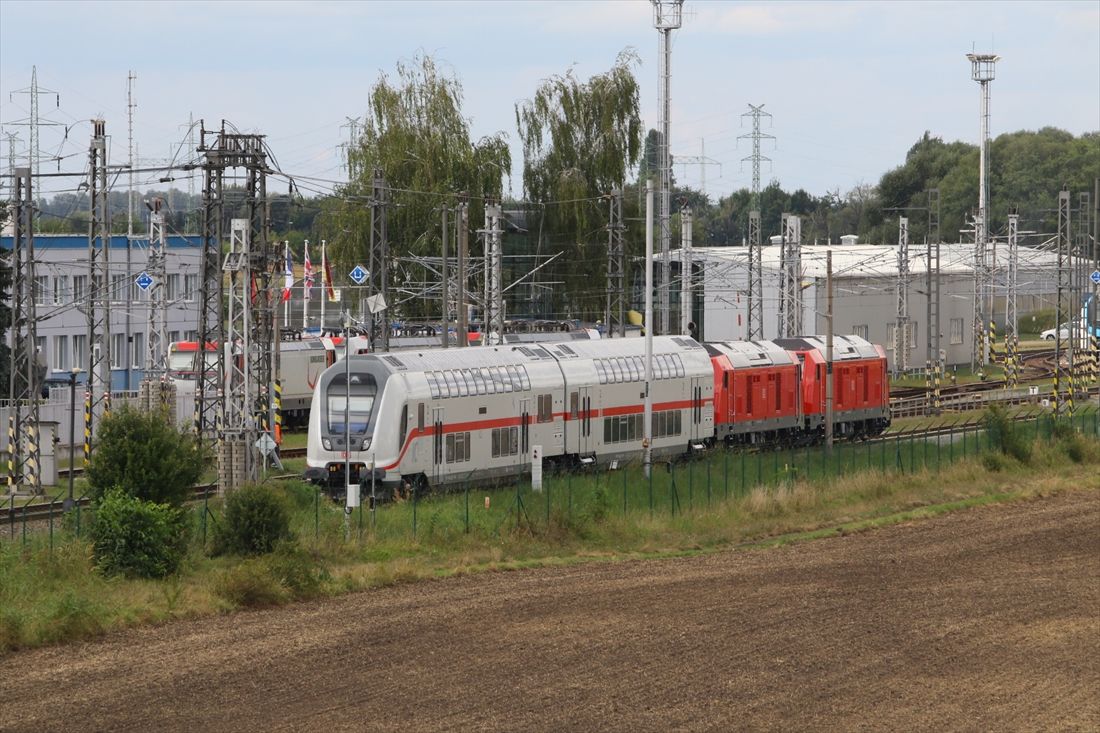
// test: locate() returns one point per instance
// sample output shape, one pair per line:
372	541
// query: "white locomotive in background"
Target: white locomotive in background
442	417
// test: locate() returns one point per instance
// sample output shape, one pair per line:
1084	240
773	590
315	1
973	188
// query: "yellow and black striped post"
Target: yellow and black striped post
993	343
30	475
11	451
87	427
278	404
1094	341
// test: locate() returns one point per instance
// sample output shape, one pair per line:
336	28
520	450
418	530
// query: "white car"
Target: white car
1048	335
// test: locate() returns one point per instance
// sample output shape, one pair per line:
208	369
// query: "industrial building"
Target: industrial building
865	280
61	290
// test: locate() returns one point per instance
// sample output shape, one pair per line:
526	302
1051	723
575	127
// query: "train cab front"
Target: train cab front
342	422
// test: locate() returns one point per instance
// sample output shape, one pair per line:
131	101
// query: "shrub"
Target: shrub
72	617
135	537
250	585
1004	434
288	573
256	520
145	456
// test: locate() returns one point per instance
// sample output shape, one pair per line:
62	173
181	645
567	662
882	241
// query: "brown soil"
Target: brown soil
982	620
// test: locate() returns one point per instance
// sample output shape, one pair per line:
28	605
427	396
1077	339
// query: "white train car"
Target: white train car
446	416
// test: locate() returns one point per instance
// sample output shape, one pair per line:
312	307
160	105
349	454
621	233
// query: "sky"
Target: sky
850	85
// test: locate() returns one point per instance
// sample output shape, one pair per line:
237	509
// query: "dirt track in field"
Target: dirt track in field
981	620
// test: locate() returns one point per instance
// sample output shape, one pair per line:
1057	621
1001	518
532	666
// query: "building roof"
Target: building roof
118	241
875	260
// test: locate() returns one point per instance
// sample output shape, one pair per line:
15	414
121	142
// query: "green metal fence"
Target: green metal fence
567	499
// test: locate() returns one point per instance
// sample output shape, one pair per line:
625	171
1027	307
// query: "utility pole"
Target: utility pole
463	224
1063	310
352	126
790	312
209	390
756	112
156	357
756	279
983	71
703	161
647	407
1078	332
97	401
23	423
444	295
933	362
35	121
667	17
901	327
127	357
615	312
379	262
829	352
686	320
494	295
1012	339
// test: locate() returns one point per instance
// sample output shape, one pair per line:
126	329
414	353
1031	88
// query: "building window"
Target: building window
505	442
173	287
956	330
913	334
80	351
190	287
80	288
41	288
61	290
173	337
118	288
40	347
862	331
118	350
59	361
139	351
191	336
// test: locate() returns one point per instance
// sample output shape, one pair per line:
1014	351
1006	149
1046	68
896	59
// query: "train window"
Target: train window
524	379
450	448
513	434
403	425
420	416
513	378
433	386
616	372
546	408
479	381
458	447
496	442
449	381
357	411
574	399
471	385
639	367
676	422
600	371
679	365
487	378
659	364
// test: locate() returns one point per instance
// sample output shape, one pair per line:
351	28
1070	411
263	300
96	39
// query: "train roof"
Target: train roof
743	354
844	347
532	353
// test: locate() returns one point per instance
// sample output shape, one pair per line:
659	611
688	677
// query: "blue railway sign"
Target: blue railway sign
1095	277
144	281
358	275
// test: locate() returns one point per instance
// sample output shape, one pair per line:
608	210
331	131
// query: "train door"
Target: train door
696	414
524	429
438	468
584	422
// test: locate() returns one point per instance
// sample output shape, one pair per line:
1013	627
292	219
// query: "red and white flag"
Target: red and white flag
326	275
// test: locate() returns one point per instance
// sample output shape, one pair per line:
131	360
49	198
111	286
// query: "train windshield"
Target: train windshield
181	361
357	411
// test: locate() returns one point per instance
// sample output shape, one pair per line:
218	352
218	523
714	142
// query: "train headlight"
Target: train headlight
326	443
366	443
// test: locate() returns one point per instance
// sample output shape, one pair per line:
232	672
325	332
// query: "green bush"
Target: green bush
140	538
1005	435
72	616
286	574
256	521
250	585
145	456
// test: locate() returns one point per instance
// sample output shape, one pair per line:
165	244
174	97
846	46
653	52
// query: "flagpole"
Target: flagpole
305	288
286	302
324	284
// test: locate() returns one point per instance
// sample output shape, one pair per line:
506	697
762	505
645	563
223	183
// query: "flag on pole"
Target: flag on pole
307	272
326	274
288	272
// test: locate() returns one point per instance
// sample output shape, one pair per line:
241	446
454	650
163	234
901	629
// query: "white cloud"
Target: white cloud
766	19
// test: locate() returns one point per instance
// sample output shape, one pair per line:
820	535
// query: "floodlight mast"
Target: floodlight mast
667	17
983	71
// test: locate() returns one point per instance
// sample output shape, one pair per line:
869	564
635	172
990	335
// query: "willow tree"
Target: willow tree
579	140
416	135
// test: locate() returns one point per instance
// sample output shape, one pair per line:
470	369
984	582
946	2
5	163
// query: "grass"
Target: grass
55	595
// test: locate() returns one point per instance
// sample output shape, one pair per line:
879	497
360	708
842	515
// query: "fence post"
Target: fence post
708	482
415	494
51	526
316	516
466	491
205	510
726	473
651	490
624	490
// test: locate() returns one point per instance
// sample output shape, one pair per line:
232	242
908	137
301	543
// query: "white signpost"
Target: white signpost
536	468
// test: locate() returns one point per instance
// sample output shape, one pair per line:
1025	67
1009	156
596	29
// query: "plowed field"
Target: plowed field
981	620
